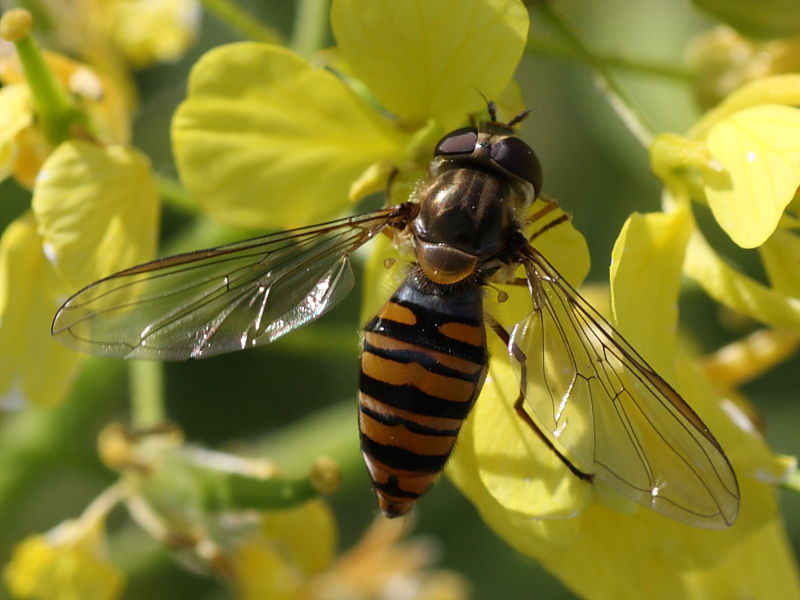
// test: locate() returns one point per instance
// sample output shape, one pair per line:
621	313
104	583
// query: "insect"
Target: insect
584	390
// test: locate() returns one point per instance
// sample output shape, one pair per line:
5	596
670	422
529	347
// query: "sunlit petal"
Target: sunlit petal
266	140
97	209
759	154
425	59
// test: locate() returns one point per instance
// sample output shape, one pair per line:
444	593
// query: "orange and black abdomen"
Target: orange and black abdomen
422	367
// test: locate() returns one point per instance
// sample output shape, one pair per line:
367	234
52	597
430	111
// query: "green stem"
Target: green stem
55	110
232	491
310	26
331	432
242	22
174	194
622	105
537	45
147	393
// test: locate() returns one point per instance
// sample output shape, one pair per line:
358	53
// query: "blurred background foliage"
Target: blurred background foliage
278	393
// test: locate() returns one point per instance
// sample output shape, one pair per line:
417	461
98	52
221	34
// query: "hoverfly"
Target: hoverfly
424	356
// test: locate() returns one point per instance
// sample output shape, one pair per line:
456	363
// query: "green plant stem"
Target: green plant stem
232	491
331	432
538	45
147	393
173	193
242	22
310	26
55	110
622	105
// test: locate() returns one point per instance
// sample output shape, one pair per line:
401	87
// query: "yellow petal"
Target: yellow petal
646	266
424	59
261	571
149	32
16	113
759	150
563	245
29	289
605	553
97	209
736	291
32	149
266	140
290	546
528	534
780	254
777	89
308	532
103	97
516	470
47	568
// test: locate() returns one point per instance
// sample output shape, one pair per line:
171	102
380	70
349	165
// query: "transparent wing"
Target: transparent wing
227	298
617	418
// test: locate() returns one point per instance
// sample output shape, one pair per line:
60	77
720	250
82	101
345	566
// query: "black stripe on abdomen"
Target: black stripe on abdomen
403	459
422	367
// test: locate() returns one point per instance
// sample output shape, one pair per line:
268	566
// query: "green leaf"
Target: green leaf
97	209
265	140
428	59
759	153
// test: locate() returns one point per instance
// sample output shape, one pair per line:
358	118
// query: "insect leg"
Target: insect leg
550	205
519	405
562	219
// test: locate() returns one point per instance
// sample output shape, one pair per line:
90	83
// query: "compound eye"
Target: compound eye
516	157
460	141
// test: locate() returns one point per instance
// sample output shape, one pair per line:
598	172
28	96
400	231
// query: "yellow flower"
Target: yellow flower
724	59
743	157
265	139
291	556
94	209
29	293
601	552
68	563
289	547
23	144
141	32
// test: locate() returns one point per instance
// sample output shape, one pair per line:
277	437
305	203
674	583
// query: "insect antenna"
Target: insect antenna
520	117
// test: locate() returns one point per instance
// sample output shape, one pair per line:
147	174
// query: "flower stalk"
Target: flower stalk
310	26
147	393
58	114
634	120
241	21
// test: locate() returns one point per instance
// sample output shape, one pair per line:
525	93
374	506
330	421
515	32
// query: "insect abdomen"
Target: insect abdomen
422	366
